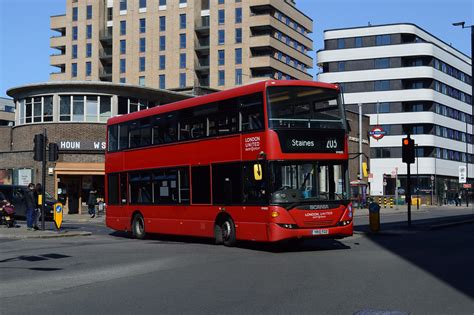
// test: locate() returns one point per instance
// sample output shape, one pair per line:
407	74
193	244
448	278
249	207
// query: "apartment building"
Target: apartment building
181	44
409	81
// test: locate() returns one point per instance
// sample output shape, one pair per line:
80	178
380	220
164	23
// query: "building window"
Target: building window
238	15
341	65
123	80
382	63
182	21
182	41
238	35
382	85
162	43
238	76
182	61
89	31
88	50
78	108
48	108
182	80
142	26
221	57
221	78
105	108
162	23
142	4
65	108
341	43
123	46
382	40
92	107
123	67
123	5
162	2
123	27
74	52
384	107
74	13
162	81
221	17
162	62
220	2
221	37
238	56
141	80
74	33
89	12
142	44
141	64
358	42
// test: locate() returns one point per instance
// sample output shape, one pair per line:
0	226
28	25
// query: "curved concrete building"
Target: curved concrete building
74	115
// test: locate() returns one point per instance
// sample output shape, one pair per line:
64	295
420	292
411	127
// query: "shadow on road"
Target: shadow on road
443	250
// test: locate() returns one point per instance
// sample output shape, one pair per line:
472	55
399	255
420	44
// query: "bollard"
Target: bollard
391	202
374	217
385	202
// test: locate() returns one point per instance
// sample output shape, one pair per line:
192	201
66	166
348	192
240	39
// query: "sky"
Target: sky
25	33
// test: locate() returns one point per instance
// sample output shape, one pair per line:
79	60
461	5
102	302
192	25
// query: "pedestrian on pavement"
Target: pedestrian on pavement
91	201
30	201
456	200
38	193
460	198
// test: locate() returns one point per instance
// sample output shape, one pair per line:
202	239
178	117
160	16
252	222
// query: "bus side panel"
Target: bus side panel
251	231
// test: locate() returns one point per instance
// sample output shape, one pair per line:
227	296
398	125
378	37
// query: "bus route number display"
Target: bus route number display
311	142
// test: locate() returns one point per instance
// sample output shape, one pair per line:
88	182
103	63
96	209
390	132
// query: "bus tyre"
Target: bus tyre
138	227
228	232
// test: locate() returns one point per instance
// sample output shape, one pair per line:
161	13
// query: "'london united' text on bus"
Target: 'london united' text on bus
263	162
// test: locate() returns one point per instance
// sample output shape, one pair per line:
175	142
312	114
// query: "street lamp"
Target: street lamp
463	25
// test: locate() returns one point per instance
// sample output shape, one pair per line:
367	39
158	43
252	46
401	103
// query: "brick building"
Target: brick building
74	116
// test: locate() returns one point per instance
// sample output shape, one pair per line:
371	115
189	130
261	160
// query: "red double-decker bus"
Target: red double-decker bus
262	162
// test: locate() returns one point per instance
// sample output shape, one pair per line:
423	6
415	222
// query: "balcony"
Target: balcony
267	62
106	36
268	21
268	41
57	59
57	41
286	9
58	22
105	55
105	74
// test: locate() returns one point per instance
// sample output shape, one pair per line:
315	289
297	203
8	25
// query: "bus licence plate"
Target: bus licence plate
321	232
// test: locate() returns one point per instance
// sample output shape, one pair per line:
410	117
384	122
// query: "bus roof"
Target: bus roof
214	97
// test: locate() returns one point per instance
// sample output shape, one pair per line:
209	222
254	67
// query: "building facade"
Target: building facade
7	112
73	115
181	44
408	81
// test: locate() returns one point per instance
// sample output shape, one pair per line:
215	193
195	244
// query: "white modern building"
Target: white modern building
408	80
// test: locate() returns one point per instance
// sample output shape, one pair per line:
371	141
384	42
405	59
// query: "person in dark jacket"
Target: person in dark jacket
30	201
91	201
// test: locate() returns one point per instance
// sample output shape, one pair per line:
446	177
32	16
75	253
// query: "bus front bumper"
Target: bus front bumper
277	233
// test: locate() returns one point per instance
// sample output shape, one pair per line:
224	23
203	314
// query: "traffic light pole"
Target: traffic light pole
409	194
43	180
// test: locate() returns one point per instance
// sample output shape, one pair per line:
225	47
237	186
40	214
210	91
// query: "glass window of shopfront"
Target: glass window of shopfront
65	108
78	108
105	108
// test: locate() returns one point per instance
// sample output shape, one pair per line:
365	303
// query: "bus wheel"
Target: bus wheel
228	232
138	227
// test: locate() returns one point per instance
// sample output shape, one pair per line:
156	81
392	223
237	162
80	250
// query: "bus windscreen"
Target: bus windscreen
304	107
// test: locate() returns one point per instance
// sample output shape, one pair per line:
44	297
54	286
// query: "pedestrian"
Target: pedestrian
30	201
460	198
456	200
91	201
38	193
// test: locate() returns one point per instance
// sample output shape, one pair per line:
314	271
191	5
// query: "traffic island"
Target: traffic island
20	232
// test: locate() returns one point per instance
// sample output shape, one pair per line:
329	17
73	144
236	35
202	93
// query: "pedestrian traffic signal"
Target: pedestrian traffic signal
53	152
408	150
38	147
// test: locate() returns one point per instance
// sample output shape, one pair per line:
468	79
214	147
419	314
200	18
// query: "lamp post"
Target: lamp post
463	25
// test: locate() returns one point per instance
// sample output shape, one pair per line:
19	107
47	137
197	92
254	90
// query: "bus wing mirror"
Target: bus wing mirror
257	171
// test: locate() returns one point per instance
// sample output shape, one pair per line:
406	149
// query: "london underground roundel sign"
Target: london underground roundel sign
377	133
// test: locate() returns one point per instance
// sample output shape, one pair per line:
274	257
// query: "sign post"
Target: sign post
58	215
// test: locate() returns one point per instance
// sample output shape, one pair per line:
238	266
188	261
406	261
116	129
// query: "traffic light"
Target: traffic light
408	150
38	147
53	152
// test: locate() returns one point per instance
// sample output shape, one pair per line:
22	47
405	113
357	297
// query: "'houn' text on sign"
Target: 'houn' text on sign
81	145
